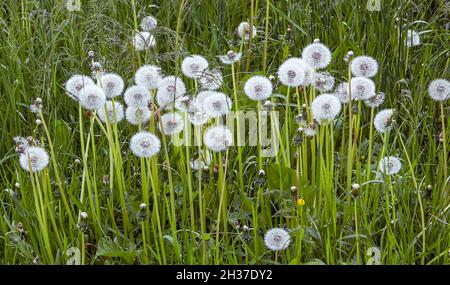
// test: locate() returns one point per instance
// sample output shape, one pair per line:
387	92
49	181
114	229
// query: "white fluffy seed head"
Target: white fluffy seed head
309	71
230	58
211	79
439	90
172	123
243	31
341	92
323	81
137	96
375	101
76	83
412	38
317	55
143	41
112	84
111	110
218	138
34	159
145	144
193	66
148	76
325	107
170	89
291	74
149	23
383	120
390	165
364	66
136	114
277	239
92	97
362	88
216	104
258	88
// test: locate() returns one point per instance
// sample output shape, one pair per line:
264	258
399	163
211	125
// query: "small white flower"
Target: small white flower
291	74
137	96
76	83
112	84
217	104
412	38
231	57
193	66
145	144
364	66
136	114
439	90
317	55
211	79
170	89
218	138
148	23
148	76
172	123
325	107
108	114
342	92
383	120
362	88
375	101
34	159
323	81
277	239
308	70
390	165
143	41
258	88
92	97
243	31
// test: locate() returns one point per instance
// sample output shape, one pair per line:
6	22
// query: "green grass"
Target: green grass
221	218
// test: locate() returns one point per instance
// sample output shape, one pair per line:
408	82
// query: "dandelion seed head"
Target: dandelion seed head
362	88
230	58
412	38
341	92
136	114
439	90
172	123
218	138
258	88
364	66
323	81
112	85
216	104
148	76
383	120
193	66
317	55
149	23
108	114
145	144
76	83
143	41
277	239
243	31
291	74
390	165
137	96
34	159
92	97
211	79
375	101
325	107
307	69
170	89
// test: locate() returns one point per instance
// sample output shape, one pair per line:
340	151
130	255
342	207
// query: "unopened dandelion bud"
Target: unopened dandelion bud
91	54
84	215
38	122
271	77
245	228
106	180
317	40
293	188
38	100
17	185
77	161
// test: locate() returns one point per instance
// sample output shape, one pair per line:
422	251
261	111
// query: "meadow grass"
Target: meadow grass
220	216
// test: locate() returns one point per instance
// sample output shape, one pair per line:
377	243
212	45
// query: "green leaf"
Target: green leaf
111	248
